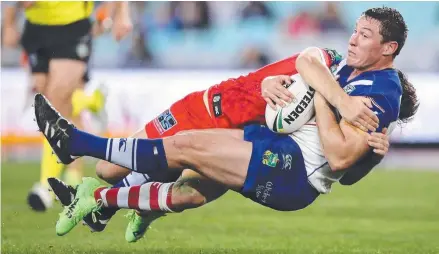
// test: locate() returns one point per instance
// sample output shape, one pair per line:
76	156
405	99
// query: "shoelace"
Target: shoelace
60	130
96	210
74	212
131	215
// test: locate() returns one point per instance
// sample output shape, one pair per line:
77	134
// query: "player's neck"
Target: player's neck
380	65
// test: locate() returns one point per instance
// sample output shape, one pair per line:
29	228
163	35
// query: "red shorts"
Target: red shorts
188	113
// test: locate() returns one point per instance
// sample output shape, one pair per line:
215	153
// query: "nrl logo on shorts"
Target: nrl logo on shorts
270	159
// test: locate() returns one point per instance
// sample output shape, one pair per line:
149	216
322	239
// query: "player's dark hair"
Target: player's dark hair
409	100
393	27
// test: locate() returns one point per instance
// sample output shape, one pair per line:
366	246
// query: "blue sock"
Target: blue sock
119	185
85	144
141	155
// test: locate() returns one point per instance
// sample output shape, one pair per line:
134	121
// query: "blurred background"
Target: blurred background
230	35
179	47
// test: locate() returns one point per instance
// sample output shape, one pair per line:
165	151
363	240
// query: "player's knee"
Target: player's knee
39	83
101	170
58	96
107	172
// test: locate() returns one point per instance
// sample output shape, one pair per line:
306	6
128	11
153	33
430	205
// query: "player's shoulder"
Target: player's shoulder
386	81
340	66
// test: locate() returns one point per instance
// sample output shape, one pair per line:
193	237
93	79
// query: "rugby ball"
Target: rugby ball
293	116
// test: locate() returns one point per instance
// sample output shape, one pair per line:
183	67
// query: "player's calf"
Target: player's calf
189	191
192	190
109	172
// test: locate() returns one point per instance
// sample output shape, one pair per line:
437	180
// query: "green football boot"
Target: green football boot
83	204
139	224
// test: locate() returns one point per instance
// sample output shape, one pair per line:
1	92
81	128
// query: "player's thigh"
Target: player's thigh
276	176
65	76
230	133
39	68
69	55
113	173
219	155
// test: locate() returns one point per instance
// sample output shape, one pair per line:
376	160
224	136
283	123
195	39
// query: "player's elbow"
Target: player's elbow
336	165
308	57
340	162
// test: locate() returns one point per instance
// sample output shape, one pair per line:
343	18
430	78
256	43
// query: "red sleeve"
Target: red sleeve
242	100
286	66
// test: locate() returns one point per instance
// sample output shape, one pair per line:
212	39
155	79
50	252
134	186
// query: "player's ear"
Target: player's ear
390	48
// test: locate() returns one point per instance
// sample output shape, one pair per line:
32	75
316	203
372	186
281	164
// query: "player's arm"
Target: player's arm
380	144
122	21
103	20
343	144
360	169
312	69
121	8
10	31
10	13
276	74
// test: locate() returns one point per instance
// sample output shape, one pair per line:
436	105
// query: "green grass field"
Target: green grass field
389	212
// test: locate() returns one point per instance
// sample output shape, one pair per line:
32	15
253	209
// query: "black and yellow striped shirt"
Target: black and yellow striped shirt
58	12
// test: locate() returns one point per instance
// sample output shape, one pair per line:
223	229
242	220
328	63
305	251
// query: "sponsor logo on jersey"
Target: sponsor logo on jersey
303	104
287	161
216	104
122	144
165	121
270	159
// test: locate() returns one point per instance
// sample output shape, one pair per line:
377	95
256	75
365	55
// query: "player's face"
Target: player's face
365	47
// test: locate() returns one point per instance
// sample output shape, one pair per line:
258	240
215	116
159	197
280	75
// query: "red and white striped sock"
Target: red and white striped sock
152	196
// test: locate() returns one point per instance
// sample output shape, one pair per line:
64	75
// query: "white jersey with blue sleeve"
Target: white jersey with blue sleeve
383	87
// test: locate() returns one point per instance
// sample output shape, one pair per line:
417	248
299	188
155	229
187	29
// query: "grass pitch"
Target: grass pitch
388	212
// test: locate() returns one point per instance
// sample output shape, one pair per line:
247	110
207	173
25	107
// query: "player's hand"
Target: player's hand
26	4
274	92
11	36
379	142
122	26
357	111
